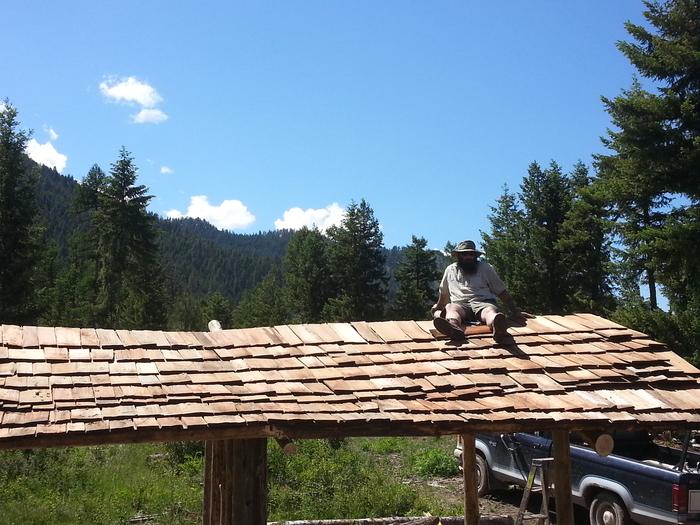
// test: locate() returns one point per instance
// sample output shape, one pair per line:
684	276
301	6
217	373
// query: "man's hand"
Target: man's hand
435	308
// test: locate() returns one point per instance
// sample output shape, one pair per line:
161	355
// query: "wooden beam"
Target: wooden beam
471	498
249	469
296	430
562	478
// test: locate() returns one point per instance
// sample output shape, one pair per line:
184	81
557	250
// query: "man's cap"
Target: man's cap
466	247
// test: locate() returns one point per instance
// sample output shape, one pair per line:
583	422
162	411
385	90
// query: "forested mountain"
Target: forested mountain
198	258
55	194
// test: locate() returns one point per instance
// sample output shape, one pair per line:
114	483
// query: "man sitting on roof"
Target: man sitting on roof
468	293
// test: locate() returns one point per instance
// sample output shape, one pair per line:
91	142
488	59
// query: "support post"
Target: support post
471	498
235	482
218	482
562	478
249	482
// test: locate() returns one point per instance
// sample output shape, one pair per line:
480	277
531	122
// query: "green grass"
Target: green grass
353	478
100	485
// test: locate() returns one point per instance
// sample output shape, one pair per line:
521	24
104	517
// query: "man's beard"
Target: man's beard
468	267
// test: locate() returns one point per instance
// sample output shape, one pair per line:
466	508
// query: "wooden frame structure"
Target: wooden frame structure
236	388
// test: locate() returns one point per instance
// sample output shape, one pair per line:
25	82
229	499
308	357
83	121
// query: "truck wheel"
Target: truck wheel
608	509
482	475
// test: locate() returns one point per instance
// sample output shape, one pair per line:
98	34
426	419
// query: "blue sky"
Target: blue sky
242	111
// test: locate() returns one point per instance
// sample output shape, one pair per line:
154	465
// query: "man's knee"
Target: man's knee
454	311
487	314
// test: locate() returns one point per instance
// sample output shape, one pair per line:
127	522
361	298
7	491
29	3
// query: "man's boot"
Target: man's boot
499	328
448	327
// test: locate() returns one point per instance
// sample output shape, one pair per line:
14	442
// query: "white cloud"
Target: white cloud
165	170
131	90
46	154
149	116
52	134
3	107
322	218
229	215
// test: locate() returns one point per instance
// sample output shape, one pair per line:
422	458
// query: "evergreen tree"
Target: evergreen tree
129	278
114	277
218	307
655	154
628	184
19	249
417	275
357	266
506	246
670	55
307	275
550	244
546	198
186	313
585	247
74	291
76	286
264	305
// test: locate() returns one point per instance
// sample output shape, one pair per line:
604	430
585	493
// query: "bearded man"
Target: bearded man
468	293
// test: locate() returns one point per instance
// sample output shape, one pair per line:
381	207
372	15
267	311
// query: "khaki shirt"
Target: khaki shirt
461	288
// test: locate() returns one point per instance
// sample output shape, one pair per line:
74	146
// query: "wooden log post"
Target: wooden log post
249	482
562	478
235	482
471	498
218	485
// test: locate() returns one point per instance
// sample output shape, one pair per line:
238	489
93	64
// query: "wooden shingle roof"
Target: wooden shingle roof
65	386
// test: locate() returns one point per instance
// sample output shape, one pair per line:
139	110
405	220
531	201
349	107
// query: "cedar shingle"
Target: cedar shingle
107	338
364	329
68	337
30	337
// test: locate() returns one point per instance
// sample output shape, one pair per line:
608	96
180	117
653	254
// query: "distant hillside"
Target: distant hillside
199	262
199	258
55	195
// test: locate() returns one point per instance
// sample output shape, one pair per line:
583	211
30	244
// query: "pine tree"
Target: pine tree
75	297
585	245
19	250
546	198
264	305
307	275
550	243
186	314
417	275
216	306
114	277
655	152
357	266
629	183
506	246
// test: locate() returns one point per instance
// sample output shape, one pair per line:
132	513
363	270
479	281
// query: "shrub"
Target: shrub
434	463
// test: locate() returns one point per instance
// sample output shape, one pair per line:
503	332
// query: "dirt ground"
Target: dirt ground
501	501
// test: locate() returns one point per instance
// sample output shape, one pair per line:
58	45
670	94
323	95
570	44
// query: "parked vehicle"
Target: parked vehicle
639	481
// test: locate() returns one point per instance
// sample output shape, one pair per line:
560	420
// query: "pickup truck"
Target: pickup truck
640	481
